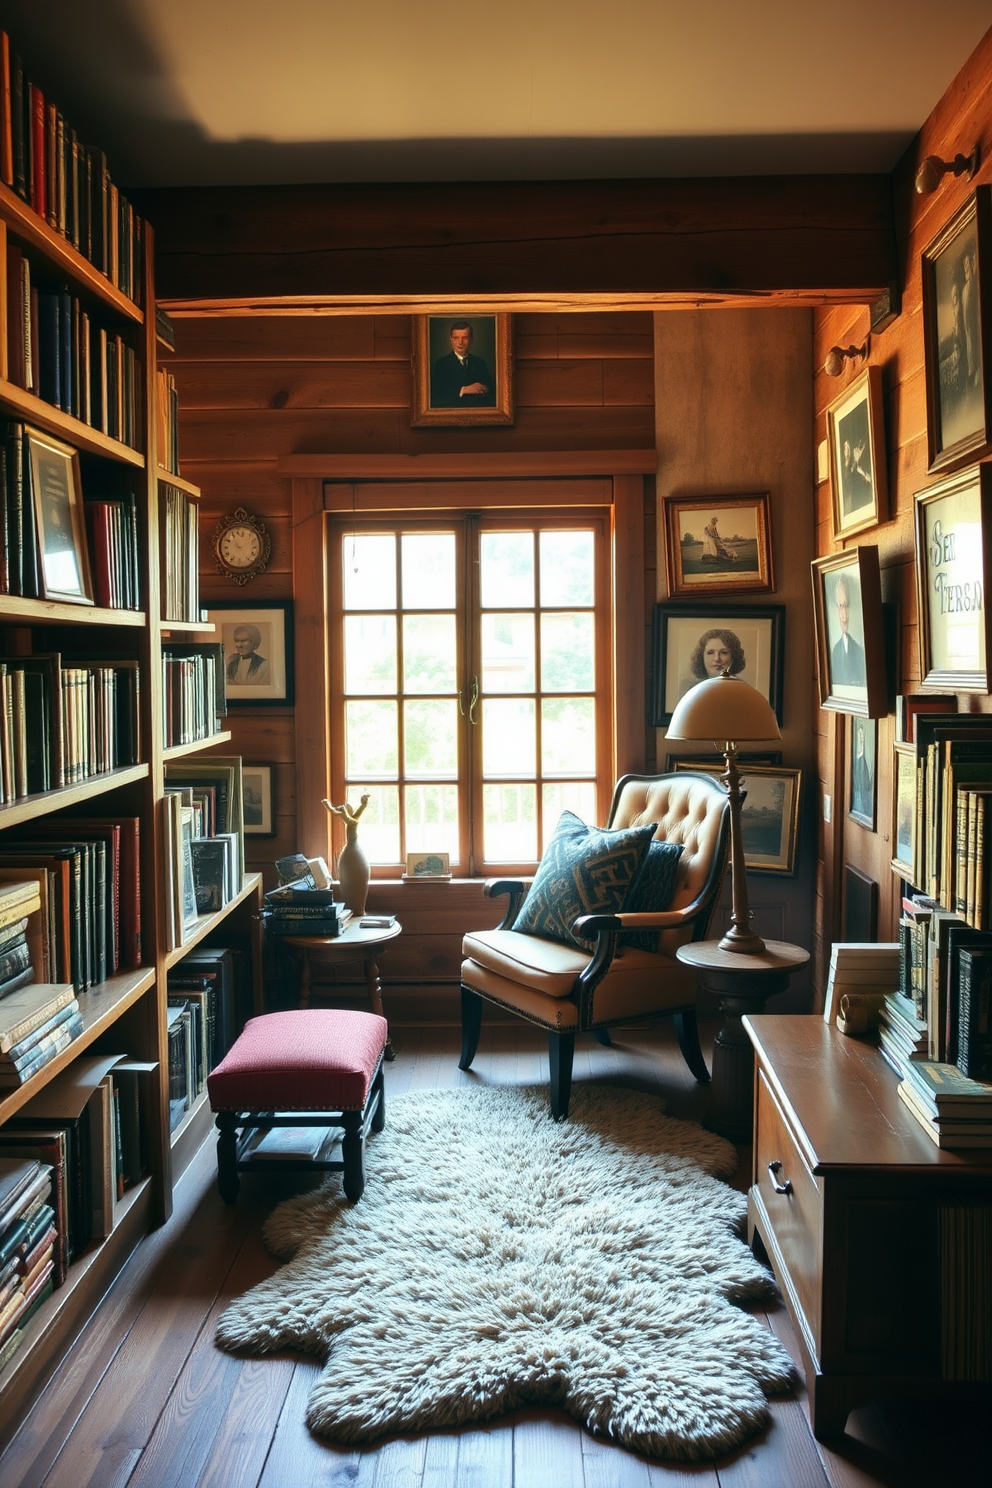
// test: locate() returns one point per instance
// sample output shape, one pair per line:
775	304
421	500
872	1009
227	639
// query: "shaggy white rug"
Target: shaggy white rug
500	1259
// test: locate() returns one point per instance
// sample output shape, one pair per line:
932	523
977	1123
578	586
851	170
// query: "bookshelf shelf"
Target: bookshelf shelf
100	1008
176	751
167	478
29	807
186	627
14	610
205	924
28	228
15	402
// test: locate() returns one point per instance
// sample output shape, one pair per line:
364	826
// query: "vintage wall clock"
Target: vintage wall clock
242	546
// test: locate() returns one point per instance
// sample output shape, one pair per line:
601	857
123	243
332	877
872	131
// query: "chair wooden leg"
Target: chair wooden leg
688	1037
561	1049
379	1088
228	1181
353	1154
602	1036
471	1026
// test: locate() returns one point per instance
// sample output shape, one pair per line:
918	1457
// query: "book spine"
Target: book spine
974	1038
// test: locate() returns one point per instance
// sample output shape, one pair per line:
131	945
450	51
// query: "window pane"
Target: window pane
431	738
510	823
568	736
370	653
506	561
432	818
429	653
368	563
568	653
370	739
380	826
566	568
508	653
567	795
428	562
508	746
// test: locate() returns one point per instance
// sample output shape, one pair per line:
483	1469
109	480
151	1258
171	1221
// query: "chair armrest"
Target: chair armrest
605	930
516	888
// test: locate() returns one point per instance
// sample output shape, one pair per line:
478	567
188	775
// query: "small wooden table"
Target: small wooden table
743	984
353	944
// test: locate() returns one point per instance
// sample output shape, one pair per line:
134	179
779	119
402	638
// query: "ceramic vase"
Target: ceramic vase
353	873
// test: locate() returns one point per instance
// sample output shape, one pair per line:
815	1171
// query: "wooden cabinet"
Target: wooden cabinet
847	1197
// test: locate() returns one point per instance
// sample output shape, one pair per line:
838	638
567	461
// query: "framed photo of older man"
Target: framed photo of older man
850	638
957	335
258	651
462	370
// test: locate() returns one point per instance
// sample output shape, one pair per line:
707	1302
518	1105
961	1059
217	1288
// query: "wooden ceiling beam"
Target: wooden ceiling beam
557	245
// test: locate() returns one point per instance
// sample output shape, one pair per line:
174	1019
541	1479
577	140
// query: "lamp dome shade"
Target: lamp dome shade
723	708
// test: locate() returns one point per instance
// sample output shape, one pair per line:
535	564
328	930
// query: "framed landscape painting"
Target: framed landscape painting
256	794
718	544
770	814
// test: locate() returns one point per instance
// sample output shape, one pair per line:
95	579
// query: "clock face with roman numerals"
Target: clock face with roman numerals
241	546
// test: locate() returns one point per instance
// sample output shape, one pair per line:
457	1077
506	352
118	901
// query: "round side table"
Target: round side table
743	983
353	944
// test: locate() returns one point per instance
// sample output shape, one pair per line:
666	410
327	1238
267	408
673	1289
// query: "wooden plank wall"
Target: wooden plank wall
962	118
252	389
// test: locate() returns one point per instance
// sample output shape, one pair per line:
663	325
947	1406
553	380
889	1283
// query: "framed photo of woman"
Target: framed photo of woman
692	642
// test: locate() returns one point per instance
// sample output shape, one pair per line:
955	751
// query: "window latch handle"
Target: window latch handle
473	699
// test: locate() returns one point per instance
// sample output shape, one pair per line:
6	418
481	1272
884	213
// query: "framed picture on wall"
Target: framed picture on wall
904	811
718	544
850	639
860	906
770	815
691	642
861	777
856	445
256	795
258	650
953	567
462	370
957	335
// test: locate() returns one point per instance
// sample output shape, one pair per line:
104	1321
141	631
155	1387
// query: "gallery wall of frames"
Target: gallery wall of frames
904	483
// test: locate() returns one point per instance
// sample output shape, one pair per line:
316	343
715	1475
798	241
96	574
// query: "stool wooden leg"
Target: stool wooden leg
374	988
305	979
353	1153
228	1182
379	1085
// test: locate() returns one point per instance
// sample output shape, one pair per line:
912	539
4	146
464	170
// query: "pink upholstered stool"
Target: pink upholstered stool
286	1069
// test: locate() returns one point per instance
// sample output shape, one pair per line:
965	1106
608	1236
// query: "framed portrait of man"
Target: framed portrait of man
462	370
258	650
957	325
850	639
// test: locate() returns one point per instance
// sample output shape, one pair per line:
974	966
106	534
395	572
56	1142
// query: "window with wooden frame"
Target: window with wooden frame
471	682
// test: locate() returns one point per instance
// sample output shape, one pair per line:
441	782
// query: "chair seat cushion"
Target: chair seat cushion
314	1059
546	966
583	870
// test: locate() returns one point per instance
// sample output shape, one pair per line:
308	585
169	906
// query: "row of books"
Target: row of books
36	1023
112	530
86	874
167	420
60	724
20	899
181	556
204	838
28	1238
953	782
194	690
946	965
56	350
66	182
209	1000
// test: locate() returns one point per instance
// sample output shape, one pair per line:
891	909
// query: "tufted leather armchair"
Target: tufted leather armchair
566	991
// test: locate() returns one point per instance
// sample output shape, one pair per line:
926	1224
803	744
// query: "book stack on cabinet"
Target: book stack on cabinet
98	563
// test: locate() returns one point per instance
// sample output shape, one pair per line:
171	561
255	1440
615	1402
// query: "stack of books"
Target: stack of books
860	968
298	908
36	1024
27	1245
901	1034
952	1109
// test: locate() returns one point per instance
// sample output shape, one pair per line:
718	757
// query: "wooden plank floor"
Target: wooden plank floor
146	1400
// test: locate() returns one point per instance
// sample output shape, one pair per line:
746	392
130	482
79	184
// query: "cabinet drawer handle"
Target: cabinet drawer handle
774	1168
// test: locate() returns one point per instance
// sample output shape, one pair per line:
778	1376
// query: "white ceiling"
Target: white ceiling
261	91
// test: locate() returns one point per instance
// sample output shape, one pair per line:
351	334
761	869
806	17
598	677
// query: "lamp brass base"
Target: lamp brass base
745	942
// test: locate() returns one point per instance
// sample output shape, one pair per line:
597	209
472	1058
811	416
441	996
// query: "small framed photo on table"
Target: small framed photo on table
856	444
462	370
258	650
691	642
57	506
953	569
957	335
718	544
850	640
256	795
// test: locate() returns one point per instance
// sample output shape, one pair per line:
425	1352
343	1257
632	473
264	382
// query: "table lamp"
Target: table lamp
730	712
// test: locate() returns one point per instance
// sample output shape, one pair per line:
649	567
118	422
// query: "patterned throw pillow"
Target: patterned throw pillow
652	891
584	870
